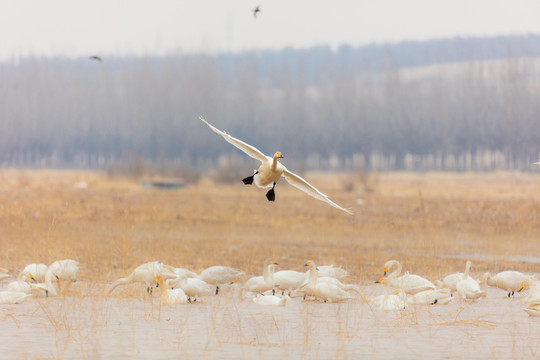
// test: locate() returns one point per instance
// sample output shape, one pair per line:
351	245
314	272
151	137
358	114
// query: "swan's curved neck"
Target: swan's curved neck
467	268
396	272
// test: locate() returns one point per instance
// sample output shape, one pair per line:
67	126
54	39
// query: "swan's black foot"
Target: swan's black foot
436	301
217	290
271	195
248	180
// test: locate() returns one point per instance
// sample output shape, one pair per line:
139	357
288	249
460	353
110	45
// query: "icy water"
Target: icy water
90	324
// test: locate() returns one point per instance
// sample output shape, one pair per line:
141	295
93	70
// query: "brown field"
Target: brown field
431	222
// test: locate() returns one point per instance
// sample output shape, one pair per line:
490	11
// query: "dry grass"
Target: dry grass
430	222
427	221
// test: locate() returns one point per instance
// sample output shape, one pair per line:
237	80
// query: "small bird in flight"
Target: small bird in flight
95	58
256	10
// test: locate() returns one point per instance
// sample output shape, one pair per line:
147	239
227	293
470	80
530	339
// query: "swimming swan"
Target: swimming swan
330	271
168	296
218	275
146	273
410	283
271	171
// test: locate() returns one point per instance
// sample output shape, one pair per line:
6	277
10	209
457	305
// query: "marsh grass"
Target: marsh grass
431	222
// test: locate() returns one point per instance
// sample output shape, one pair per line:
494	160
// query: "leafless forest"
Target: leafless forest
457	104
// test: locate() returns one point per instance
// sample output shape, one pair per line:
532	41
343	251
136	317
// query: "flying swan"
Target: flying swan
271	171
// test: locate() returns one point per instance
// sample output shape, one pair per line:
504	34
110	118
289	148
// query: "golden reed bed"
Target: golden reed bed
432	223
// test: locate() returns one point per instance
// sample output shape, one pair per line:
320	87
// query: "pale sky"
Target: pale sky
76	28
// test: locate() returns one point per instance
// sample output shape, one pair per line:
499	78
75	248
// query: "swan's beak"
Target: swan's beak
521	287
275	263
378	281
32	277
280	156
57	278
385	271
157	284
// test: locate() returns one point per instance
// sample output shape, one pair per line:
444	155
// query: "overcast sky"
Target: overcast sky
108	27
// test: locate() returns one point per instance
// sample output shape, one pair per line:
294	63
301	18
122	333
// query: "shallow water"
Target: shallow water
90	324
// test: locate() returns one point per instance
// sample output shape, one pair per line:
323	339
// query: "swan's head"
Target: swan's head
159	279
311	264
382	281
271	262
278	155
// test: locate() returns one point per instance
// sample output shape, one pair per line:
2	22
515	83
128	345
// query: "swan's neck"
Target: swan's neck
467	268
313	275
395	273
268	273
274	162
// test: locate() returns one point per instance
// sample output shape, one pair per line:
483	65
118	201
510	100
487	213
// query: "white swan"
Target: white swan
468	288
451	280
331	271
20	285
146	273
271	171
168	296
510	281
45	288
13	297
272	300
431	297
35	272
389	301
193	287
410	283
218	275
260	284
326	291
65	270
289	280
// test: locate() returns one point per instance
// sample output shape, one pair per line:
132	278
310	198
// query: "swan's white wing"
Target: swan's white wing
303	185
248	149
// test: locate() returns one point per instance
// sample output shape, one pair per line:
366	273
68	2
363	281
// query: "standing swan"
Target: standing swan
510	281
217	275
146	273
271	171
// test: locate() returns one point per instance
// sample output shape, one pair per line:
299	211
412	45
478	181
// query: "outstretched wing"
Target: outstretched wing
248	149
306	187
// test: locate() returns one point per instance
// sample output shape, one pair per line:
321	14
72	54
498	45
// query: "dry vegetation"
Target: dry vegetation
430	222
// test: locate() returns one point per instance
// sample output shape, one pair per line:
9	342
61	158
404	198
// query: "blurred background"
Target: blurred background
341	85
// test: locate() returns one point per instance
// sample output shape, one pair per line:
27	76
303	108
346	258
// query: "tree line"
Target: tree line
449	104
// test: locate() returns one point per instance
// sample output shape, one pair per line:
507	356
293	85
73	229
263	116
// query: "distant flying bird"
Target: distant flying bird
271	171
95	58
256	10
